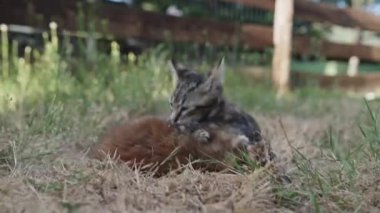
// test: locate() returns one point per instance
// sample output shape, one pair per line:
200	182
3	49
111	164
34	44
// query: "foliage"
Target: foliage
39	77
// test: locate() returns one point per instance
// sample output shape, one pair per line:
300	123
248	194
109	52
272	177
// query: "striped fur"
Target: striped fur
198	102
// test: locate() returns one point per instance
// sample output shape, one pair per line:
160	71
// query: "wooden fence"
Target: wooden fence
124	22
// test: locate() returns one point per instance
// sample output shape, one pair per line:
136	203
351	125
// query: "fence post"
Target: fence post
282	41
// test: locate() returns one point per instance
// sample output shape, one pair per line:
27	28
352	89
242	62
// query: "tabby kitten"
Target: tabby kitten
198	102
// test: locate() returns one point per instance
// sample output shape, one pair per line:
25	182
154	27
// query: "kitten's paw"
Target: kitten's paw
240	141
179	127
202	135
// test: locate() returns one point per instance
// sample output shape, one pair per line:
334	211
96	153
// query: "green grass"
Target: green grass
348	166
53	107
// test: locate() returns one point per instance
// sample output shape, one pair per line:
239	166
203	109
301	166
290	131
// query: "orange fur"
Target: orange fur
151	144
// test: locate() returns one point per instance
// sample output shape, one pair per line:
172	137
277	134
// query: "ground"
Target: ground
54	108
45	167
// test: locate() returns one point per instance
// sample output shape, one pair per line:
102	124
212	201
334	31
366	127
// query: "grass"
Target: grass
54	105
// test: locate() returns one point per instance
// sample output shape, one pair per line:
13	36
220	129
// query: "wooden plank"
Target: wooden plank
349	17
359	83
36	13
262	4
330	50
367	82
323	12
124	21
282	40
260	37
256	36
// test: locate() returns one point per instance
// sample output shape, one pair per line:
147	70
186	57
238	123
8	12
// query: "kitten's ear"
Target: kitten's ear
177	70
217	73
215	79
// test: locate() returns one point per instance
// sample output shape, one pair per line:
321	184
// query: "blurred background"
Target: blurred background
115	51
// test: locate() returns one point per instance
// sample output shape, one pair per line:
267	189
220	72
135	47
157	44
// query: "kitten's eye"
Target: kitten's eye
188	111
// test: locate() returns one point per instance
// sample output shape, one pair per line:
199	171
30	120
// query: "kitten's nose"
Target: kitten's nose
171	120
173	117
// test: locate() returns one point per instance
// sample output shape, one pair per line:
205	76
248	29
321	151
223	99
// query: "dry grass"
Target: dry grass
48	170
54	108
